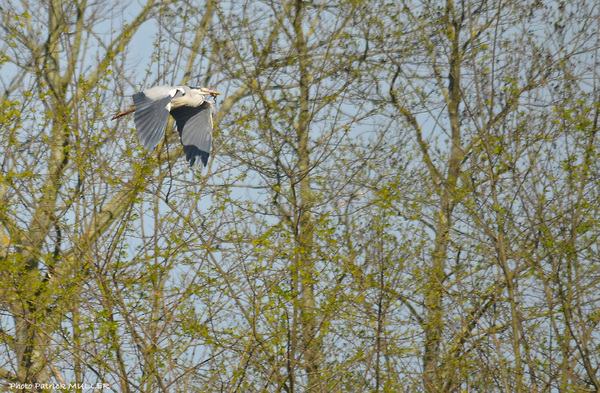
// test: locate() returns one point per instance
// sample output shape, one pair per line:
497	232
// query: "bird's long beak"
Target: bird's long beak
212	92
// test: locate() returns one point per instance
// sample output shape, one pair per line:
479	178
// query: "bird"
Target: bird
190	109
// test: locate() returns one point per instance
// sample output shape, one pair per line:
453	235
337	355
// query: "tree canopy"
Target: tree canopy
401	196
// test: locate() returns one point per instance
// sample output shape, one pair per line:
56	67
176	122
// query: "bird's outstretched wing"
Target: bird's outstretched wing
195	129
152	114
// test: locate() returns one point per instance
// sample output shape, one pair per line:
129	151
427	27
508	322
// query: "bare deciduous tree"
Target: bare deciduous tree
402	196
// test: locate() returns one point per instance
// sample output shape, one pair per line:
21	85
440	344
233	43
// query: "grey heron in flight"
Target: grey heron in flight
190	109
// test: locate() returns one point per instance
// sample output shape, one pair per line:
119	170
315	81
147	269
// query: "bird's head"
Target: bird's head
191	96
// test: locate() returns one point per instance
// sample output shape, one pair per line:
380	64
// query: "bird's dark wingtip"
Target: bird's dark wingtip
192	153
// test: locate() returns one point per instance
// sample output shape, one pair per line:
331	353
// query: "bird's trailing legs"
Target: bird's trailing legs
123	113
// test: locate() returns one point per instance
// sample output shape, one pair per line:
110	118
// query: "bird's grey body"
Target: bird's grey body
192	114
